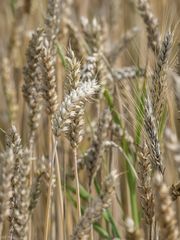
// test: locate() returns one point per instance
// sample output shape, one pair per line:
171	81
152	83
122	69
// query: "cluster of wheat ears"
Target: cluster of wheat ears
89	125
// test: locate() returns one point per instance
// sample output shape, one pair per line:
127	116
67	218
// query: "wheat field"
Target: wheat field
89	119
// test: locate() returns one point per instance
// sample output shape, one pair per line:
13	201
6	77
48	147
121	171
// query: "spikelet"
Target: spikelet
145	186
94	212
36	190
152	141
71	105
73	71
95	68
151	25
159	83
175	190
49	87
89	70
164	210
13	141
6	162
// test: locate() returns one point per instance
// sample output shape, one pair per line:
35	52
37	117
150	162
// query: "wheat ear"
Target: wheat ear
71	105
152	141
164	211
159	84
32	85
151	24
6	162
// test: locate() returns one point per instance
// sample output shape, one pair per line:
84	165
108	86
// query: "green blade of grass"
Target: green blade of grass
61	54
101	231
108	216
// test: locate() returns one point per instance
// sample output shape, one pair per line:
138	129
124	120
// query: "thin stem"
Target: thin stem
48	208
92	233
1	228
133	199
60	192
32	167
77	183
89	203
150	231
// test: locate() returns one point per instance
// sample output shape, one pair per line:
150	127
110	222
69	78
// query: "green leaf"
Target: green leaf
61	54
83	193
102	232
108	217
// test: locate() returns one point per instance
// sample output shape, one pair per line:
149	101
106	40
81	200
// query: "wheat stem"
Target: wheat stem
48	207
60	192
77	182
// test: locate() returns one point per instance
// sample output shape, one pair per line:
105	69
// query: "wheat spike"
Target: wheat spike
159	84
145	185
49	87
71	105
36	191
75	132
6	162
52	20
151	25
32	83
164	211
20	186
153	142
